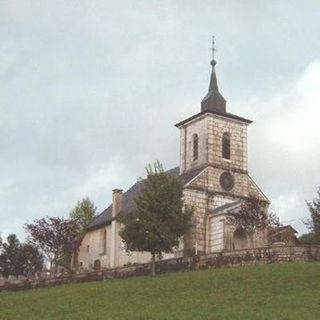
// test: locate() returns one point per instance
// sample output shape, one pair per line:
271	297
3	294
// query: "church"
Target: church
214	172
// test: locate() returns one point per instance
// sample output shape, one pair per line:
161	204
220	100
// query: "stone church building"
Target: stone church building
214	171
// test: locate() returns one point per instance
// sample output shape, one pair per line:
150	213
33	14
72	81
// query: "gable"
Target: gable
209	180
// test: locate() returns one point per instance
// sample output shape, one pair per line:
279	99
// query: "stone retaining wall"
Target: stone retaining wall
215	260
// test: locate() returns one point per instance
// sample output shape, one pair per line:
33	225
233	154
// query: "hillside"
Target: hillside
275	291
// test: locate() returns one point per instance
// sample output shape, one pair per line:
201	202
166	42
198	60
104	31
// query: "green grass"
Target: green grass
277	291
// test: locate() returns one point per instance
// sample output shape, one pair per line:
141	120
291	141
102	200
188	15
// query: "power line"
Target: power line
302	219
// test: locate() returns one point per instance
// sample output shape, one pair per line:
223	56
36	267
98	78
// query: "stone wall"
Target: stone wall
217	126
196	236
215	260
216	234
198	127
204	192
244	186
210	129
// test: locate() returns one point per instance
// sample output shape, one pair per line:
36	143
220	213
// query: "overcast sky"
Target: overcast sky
90	92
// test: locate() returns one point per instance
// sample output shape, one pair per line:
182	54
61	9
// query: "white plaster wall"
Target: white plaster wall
91	248
94	239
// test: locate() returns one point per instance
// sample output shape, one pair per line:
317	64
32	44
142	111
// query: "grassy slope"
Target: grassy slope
277	291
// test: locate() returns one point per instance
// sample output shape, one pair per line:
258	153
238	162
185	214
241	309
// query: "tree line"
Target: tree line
50	239
313	223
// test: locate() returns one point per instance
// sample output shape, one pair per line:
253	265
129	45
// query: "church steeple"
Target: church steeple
213	101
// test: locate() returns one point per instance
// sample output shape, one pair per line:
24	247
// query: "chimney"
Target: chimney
116	202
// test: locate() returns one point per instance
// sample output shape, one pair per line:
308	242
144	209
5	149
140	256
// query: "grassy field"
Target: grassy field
277	291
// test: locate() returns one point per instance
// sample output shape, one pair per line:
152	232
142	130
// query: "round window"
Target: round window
226	181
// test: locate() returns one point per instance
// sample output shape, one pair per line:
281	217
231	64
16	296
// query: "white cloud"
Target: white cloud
6	61
284	204
297	126
102	178
284	149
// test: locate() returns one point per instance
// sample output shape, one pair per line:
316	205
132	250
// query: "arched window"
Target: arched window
97	265
104	241
195	147
226	146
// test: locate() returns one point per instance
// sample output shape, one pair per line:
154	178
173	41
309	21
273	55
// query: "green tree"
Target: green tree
308	238
314	222
160	219
81	215
55	236
19	258
32	259
9	259
253	217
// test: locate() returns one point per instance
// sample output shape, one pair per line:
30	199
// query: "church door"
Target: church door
97	265
240	239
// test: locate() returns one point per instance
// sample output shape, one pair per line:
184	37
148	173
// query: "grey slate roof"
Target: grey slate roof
128	205
213	100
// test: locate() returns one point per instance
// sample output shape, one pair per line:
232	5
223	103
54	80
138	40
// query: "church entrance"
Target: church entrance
240	239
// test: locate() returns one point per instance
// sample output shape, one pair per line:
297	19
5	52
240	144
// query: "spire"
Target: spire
213	101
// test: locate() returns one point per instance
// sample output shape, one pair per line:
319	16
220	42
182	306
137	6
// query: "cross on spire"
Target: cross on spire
213	49
213	101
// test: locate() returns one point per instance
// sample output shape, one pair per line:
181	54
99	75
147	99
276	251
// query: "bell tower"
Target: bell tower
213	136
